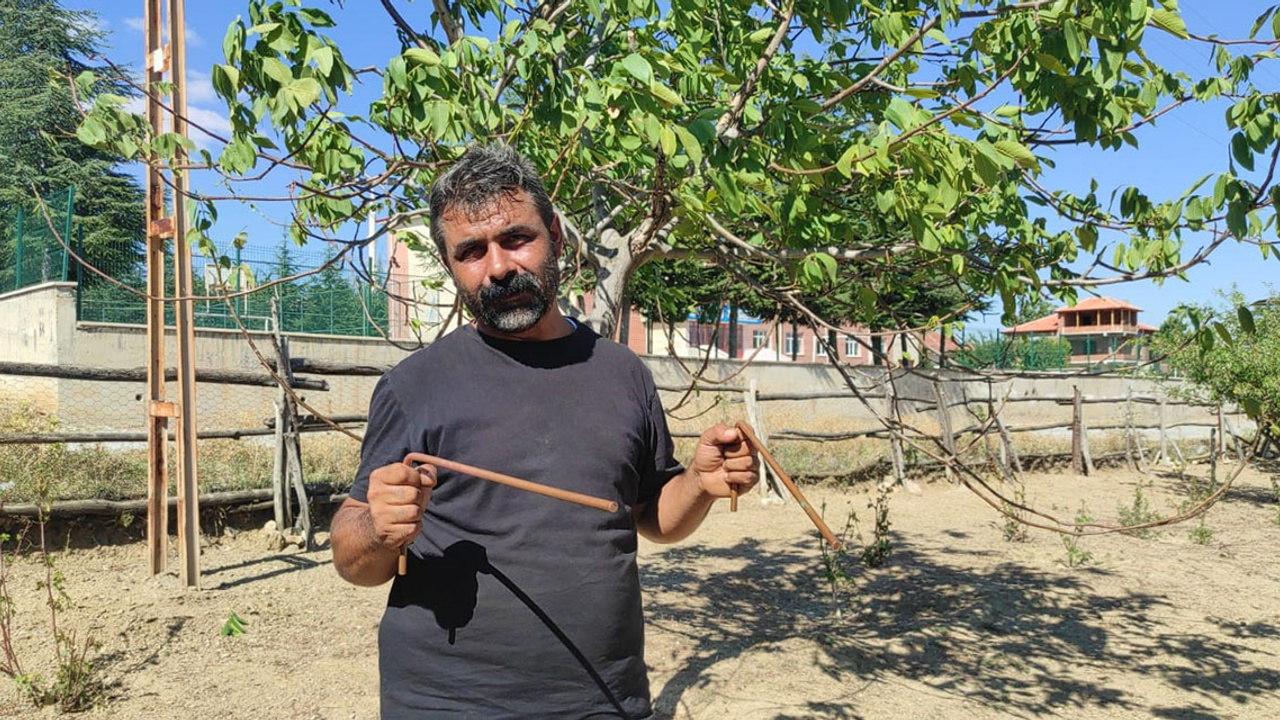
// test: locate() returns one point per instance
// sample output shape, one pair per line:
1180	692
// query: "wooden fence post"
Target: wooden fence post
1130	437
1220	446
291	448
1006	441
895	431
1081	460
773	493
944	423
1164	456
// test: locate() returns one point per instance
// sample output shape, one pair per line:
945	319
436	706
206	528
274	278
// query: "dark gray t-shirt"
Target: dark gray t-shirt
515	604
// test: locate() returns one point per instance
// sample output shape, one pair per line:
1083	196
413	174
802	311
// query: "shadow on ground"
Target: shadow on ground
1009	637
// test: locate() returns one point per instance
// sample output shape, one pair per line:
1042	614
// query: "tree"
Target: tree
758	133
1229	352
43	49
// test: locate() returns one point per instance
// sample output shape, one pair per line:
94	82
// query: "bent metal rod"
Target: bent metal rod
413	459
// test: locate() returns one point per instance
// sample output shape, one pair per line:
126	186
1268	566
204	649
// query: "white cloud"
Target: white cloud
139	24
200	87
208	119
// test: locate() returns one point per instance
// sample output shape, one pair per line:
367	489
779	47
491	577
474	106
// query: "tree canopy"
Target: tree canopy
43	46
1229	352
820	140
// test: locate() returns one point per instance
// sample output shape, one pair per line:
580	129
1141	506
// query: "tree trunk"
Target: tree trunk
613	262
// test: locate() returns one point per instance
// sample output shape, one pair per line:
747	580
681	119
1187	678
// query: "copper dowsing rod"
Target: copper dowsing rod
750	435
515	482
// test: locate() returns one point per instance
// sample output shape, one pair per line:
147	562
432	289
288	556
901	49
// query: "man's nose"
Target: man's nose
500	264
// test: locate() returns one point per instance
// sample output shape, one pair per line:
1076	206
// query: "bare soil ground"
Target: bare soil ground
960	623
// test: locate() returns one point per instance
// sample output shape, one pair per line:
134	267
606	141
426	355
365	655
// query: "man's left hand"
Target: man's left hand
724	459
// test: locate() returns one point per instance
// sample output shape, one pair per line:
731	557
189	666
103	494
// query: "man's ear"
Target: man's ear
557	235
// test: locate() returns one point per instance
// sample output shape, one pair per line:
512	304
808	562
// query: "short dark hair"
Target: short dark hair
482	175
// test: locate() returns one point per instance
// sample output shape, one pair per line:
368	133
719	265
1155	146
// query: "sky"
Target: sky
1178	150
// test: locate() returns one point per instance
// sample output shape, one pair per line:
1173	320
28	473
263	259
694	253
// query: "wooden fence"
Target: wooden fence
887	414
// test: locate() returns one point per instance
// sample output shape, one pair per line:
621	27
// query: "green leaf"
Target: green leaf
691	146
91	131
225	80
1052	64
234	626
1241	151
667	141
1252	407
845	163
1017	152
1246	319
1223	333
1170	22
316	18
638	67
666	94
323	57
900	113
422	56
301	93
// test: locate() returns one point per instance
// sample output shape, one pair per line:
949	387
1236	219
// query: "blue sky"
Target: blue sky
1181	148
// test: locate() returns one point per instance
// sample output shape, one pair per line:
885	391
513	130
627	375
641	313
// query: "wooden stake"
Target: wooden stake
1164	437
756	420
944	422
895	432
414	459
1006	440
157	426
791	486
1077	456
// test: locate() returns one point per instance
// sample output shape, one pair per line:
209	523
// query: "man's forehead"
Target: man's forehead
491	209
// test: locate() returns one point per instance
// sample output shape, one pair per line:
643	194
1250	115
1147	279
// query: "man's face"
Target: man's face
504	262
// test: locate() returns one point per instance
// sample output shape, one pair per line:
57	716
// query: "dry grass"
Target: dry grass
85	471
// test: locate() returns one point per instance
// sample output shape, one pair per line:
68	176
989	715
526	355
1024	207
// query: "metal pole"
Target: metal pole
67	230
184	313
17	252
79	245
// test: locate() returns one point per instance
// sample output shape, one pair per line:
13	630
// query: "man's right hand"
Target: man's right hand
398	496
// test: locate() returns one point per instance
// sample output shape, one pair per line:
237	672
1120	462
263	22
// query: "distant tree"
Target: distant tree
331	302
1032	307
1229	351
44	47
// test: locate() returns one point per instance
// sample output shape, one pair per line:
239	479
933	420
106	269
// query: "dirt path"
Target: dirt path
959	624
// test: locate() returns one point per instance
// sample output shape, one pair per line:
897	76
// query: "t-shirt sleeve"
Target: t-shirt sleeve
661	449
386	437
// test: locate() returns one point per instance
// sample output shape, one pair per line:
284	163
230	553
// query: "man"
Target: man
514	604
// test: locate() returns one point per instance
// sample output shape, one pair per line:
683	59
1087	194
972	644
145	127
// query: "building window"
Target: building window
792	348
759	339
819	350
851	346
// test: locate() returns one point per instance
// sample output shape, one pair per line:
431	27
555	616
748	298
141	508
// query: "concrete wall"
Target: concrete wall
34	322
38	325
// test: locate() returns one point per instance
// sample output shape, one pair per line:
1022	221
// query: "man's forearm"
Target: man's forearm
677	511
357	555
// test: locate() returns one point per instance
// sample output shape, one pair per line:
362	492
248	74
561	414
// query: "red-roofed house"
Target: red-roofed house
1099	330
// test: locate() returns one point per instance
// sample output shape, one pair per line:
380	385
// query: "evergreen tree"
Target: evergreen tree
43	47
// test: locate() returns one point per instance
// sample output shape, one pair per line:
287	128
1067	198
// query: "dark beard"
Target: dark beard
489	307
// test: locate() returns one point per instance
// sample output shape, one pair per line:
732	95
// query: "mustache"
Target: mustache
521	282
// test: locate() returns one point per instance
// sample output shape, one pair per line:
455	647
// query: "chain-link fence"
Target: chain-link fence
334	297
30	253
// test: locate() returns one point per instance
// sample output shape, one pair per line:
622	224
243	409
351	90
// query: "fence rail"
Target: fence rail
1144	434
